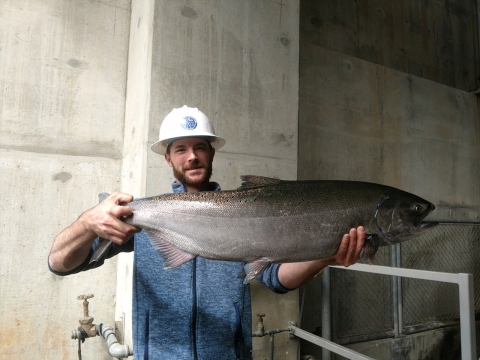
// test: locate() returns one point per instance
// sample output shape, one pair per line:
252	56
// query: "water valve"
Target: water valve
86	322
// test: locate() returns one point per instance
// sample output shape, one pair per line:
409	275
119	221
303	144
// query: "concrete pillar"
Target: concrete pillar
237	61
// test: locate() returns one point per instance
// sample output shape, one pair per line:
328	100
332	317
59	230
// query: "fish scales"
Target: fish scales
219	224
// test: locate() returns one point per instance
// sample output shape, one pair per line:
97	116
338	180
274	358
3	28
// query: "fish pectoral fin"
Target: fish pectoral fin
172	256
370	248
105	244
250	181
254	268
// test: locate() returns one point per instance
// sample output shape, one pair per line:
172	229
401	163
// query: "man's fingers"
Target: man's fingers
118	198
343	250
120	211
121	198
351	246
117	231
360	241
107	218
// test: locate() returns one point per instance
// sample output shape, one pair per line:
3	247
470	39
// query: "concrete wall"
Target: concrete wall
62	97
71	127
435	40
365	118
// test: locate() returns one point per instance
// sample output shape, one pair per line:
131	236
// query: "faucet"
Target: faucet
86	322
89	329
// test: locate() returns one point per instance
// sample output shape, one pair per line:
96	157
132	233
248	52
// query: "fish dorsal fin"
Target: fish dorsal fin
172	256
256	181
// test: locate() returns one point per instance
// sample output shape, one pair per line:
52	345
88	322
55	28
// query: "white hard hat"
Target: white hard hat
185	122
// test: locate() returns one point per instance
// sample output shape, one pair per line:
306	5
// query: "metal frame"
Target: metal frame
328	345
467	309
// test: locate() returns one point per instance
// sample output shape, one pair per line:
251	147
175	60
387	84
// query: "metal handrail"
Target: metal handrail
327	344
465	283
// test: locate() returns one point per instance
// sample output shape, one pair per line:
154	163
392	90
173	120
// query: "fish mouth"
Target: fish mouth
424	226
420	225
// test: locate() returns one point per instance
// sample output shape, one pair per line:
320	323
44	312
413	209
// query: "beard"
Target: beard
181	175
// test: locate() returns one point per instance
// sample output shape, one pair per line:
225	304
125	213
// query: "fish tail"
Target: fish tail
105	244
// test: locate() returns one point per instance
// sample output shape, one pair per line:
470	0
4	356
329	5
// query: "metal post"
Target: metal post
272	346
399	290
326	344
326	311
467	317
395	295
478	41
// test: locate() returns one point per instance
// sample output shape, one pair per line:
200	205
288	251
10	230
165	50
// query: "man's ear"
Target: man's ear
168	159
212	152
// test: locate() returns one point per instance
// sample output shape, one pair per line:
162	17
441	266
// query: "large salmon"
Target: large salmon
269	220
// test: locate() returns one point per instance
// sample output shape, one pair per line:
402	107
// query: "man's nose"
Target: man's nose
191	155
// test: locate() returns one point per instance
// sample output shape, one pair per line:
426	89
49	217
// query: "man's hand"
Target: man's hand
292	275
350	248
72	246
105	219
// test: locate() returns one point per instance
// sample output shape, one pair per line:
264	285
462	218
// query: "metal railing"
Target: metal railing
327	344
403	306
467	310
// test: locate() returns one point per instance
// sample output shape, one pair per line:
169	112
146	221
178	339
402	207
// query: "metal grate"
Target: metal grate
363	303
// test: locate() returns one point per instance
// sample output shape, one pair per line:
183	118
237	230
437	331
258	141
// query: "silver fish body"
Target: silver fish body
269	220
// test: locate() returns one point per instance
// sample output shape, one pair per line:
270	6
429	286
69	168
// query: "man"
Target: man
199	310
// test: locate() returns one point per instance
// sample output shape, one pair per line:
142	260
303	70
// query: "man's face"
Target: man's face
191	160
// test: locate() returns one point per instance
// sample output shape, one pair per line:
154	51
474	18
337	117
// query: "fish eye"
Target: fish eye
417	208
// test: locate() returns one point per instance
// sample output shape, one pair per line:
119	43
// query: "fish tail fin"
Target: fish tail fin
105	244
370	248
102	196
101	250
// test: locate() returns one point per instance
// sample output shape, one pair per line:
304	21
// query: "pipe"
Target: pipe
260	329
326	311
115	349
261	332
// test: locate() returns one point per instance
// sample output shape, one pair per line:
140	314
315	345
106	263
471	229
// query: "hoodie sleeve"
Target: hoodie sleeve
269	278
114	250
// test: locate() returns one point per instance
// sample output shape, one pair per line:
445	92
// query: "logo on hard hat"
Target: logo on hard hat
188	123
